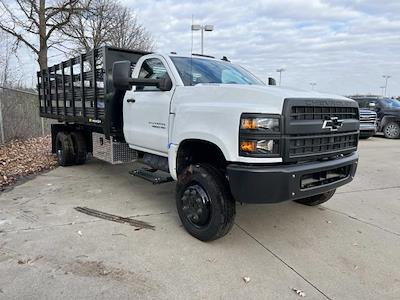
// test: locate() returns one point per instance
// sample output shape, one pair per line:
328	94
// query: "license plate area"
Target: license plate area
322	178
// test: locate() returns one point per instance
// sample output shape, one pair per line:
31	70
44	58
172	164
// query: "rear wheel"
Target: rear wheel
392	130
65	149
80	148
317	199
204	202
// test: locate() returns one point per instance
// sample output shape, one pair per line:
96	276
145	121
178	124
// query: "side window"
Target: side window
151	68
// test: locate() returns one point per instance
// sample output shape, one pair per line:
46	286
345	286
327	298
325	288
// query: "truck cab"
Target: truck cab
225	137
269	144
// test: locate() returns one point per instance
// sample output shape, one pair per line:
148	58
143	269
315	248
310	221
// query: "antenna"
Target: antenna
191	56
191	47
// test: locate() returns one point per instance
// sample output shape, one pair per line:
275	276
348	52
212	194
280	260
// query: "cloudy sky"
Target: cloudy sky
344	46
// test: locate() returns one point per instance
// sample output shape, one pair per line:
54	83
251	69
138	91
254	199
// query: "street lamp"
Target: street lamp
383	90
202	28
280	74
386	77
313	84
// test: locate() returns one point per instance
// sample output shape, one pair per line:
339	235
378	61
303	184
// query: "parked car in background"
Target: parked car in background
368	123
387	110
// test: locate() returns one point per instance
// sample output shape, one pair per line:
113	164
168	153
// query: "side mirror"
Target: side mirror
122	80
121	74
165	83
271	81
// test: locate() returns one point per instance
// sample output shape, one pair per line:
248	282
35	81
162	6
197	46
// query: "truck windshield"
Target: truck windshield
391	103
199	70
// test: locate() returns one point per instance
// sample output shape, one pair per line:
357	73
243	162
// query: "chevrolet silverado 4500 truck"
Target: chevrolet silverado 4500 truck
210	125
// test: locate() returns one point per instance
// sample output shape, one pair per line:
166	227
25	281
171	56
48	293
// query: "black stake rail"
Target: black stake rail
80	90
94	84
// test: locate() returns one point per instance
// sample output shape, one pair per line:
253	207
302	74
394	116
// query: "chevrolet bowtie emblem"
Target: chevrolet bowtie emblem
332	123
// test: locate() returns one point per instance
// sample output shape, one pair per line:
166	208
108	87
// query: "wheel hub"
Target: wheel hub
392	130
196	205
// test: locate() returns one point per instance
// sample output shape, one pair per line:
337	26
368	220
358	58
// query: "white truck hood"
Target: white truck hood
250	98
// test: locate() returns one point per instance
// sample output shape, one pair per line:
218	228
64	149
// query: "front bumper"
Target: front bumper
271	184
367	127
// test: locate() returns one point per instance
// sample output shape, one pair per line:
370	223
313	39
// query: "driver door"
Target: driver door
146	111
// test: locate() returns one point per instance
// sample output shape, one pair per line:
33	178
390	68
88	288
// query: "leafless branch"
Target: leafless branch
106	22
19	37
31	20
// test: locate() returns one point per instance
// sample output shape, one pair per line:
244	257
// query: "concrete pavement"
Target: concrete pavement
348	248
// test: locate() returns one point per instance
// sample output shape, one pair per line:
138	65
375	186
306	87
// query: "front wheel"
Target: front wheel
392	130
317	199
204	202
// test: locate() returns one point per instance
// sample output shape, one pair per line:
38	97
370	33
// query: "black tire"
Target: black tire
203	191
80	148
317	199
366	135
65	149
392	130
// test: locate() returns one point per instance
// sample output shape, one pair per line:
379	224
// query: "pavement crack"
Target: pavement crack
50	226
363	221
369	190
283	261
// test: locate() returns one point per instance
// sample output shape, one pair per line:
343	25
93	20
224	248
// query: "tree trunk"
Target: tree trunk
42	55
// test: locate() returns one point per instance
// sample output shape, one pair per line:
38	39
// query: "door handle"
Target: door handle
131	100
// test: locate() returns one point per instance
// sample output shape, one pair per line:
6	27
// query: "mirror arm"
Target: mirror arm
144	82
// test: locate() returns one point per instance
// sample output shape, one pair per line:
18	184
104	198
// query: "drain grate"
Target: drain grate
114	218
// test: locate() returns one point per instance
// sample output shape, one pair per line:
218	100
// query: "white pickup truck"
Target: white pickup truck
210	125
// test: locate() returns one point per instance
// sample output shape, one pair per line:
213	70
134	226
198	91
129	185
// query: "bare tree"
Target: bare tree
34	23
5	55
8	77
107	22
128	33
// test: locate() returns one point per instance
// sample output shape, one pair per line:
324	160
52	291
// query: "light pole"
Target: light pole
313	84
383	90
386	77
202	28
280	70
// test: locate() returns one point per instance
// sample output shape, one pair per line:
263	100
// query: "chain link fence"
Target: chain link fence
19	115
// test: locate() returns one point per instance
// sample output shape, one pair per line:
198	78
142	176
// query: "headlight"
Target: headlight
259	135
254	123
259	148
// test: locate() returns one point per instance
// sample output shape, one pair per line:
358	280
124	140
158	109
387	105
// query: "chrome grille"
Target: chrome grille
367	117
